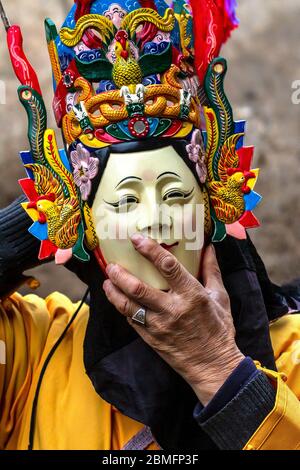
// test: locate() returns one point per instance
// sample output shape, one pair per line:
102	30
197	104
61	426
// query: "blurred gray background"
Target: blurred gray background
264	61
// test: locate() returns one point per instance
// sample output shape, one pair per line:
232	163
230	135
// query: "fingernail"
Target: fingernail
110	268
137	238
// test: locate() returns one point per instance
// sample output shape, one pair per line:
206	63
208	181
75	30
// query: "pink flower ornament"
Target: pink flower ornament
196	154
85	169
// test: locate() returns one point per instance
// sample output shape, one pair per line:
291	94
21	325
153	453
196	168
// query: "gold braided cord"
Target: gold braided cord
116	116
113	97
86	89
163	95
109	107
157	108
166	91
70	37
102	104
71	128
148	15
171	77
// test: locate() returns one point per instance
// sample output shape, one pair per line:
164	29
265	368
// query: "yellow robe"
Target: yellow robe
70	414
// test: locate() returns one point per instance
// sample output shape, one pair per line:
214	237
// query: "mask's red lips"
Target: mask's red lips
168	247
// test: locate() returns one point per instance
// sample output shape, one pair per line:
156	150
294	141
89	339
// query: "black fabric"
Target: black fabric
241	273
276	301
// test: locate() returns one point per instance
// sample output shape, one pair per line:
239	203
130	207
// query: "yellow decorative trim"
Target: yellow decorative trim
53	158
53	54
212	130
92	142
71	37
252	182
185	40
221	104
148	15
184	131
33	214
92	240
207	213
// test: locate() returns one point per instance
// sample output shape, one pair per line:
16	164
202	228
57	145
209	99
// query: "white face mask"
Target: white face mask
155	193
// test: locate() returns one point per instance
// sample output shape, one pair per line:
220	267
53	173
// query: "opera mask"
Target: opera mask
151	145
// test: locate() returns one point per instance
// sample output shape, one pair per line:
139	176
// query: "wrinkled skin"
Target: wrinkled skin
190	326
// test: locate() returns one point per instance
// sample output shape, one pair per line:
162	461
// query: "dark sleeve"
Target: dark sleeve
229	420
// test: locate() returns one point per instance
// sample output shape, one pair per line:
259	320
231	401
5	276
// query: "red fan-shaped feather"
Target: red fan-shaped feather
213	22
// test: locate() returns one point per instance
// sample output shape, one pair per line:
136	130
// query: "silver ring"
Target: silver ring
140	317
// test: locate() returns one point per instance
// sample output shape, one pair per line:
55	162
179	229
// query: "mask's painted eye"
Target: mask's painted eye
126	202
26	95
175	194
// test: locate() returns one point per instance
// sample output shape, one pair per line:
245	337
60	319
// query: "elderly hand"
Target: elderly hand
190	326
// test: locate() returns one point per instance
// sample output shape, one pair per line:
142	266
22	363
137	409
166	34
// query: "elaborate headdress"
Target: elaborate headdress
128	70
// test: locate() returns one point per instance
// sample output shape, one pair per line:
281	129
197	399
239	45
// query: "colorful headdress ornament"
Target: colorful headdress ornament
126	70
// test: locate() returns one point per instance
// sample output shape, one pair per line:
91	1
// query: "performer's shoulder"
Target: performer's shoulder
285	327
285	336
55	307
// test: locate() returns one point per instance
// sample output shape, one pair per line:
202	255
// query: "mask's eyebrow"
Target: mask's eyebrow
128	178
168	173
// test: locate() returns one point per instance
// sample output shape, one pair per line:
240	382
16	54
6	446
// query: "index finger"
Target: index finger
178	278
